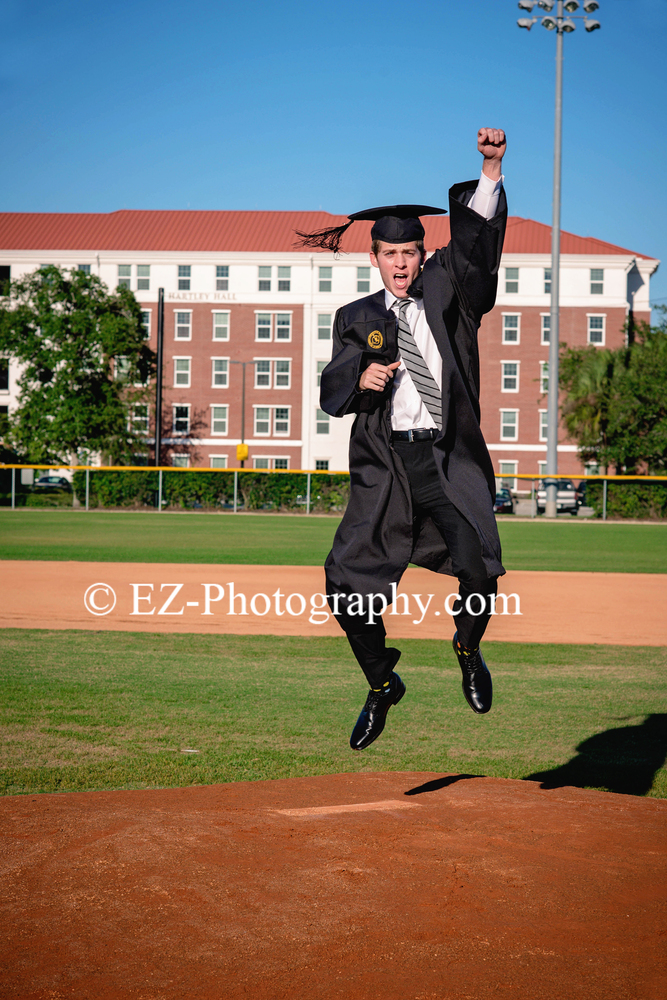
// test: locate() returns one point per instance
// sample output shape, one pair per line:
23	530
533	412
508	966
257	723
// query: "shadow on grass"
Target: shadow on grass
436	783
621	760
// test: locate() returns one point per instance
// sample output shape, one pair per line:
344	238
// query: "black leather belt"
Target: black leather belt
417	434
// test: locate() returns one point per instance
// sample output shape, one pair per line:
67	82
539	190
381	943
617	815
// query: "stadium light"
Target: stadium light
526	5
561	25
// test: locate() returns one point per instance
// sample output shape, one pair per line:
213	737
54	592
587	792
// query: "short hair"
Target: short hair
375	246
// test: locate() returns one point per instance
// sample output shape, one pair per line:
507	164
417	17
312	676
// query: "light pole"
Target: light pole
242	449
562	25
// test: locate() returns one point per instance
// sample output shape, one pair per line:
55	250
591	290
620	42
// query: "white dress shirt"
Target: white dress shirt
407	408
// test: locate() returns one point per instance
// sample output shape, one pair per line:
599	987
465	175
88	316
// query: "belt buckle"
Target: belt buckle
411	435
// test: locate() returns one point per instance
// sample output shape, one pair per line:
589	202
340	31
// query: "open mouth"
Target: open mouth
401	279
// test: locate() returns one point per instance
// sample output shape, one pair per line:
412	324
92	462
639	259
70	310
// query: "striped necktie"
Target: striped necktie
425	384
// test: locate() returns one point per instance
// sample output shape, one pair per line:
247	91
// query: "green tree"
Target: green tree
615	404
85	364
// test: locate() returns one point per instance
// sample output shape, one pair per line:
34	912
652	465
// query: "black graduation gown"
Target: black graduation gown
379	535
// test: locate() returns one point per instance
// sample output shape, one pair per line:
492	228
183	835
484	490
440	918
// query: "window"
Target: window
324	326
543	424
260	463
143	277
182	372
509	425
510	376
218	461
281	463
281	420
139	418
547	281
146	322
546	328
181	419
544	376
325	279
597	280
510	329
267	462
284	279
124	275
507	472
5	278
282	375
283	326
321	365
262	420
4	375
180	461
184	277
262	374
183	325
85	268
322	464
321	422
121	369
596	330
222	285
363	279
263	327
221	326
542	469
264	279
220	373
219	419
511	280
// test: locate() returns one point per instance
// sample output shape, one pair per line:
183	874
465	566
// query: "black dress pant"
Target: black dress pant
368	641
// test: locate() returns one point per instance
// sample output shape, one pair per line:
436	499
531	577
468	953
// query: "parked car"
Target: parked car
52	483
566	497
504	503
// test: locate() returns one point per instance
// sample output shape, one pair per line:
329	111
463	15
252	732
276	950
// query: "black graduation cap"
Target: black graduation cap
393	224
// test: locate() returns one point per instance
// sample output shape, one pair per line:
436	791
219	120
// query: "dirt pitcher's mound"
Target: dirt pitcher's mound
366	886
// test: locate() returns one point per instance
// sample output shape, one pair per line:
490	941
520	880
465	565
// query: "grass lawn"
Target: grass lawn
300	540
84	710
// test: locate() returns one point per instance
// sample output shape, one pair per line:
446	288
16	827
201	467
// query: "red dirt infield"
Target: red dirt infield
401	886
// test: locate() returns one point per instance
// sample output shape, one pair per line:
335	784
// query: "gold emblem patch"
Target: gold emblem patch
375	339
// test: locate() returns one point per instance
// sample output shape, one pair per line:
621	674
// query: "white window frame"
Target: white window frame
516	330
176	383
544	377
514	410
221	280
124	276
273	326
276	432
182	312
179	461
363	279
284	278
264	277
257	433
147	326
214	314
214	418
219	385
174	407
321	365
185	278
322	418
265	374
328	328
277	374
325	279
271	461
542	469
143	277
145	422
323	468
542	426
596	281
515	362
589	317
223	459
508	281
547	281
505	477
545	341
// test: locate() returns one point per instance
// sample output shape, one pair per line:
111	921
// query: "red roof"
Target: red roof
258	232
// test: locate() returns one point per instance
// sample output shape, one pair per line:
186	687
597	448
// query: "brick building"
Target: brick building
240	299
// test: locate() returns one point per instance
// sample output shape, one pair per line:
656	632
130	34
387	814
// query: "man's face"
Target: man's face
399	265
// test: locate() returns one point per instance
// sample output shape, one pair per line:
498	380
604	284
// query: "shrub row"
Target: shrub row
642	501
210	490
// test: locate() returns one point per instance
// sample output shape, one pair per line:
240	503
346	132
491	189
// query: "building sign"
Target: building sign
201	297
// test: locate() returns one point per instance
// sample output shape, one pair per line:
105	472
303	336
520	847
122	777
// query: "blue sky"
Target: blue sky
298	104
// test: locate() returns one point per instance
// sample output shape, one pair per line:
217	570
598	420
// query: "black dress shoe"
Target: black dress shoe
477	684
374	713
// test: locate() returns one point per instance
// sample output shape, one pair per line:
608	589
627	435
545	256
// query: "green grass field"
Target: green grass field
86	710
300	540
